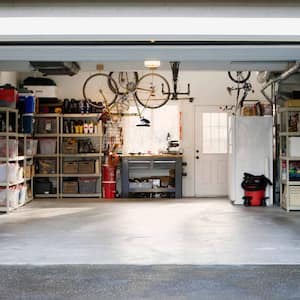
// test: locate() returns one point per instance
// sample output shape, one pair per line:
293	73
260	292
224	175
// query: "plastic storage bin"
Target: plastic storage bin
46	125
28	101
8	96
9	196
43	186
47	166
28	123
12	148
31	147
10	172
47	146
87	185
22	194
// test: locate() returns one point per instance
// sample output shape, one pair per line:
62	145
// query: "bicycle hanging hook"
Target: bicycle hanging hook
174	95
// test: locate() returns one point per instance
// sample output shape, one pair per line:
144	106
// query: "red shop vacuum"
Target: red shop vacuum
255	187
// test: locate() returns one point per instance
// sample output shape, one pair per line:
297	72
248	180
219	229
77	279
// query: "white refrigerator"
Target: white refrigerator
250	151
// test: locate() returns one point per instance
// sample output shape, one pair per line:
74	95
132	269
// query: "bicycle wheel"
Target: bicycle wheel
240	76
127	81
96	88
152	91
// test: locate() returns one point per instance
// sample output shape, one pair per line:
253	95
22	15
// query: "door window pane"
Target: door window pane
214	133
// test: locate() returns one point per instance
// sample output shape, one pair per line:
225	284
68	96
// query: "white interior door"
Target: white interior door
211	152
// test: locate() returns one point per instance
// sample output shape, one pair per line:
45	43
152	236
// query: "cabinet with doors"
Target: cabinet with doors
290	158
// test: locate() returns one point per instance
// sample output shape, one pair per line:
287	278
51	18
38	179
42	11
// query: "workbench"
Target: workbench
151	167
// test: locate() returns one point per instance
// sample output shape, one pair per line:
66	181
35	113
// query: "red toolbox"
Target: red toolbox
8	96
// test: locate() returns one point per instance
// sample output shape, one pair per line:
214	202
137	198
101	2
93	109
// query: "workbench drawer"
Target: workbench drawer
139	164
164	164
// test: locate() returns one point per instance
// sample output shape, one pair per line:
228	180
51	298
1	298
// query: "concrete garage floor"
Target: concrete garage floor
65	282
187	231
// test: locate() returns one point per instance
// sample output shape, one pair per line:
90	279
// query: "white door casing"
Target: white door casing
211	152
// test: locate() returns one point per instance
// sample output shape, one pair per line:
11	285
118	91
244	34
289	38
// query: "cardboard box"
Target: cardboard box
86	167
70	167
70	146
70	187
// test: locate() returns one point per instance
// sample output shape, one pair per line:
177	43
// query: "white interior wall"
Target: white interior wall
208	88
8	77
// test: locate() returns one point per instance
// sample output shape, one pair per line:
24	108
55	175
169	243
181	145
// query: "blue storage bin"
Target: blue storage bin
27	123
29	102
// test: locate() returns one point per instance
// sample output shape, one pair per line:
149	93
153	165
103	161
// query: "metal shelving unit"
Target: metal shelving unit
52	134
60	157
96	138
12	198
289	189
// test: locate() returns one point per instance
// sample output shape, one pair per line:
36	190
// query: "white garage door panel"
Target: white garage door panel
164	53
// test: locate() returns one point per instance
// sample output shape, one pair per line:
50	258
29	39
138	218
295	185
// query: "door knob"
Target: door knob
197	157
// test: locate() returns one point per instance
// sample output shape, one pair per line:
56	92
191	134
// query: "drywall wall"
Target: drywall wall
208	88
8	78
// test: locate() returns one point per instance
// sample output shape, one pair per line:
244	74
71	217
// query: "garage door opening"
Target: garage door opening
191	145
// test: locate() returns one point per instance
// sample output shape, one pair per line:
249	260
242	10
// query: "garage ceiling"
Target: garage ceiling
262	57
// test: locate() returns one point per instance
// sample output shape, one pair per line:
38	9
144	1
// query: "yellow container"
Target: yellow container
292	103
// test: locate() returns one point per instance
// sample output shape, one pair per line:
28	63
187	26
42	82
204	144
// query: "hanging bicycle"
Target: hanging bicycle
113	96
242	85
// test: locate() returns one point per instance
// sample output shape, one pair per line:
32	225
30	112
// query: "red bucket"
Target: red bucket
109	189
108	173
255	197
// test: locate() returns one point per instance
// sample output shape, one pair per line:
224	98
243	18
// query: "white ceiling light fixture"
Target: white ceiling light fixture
152	64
